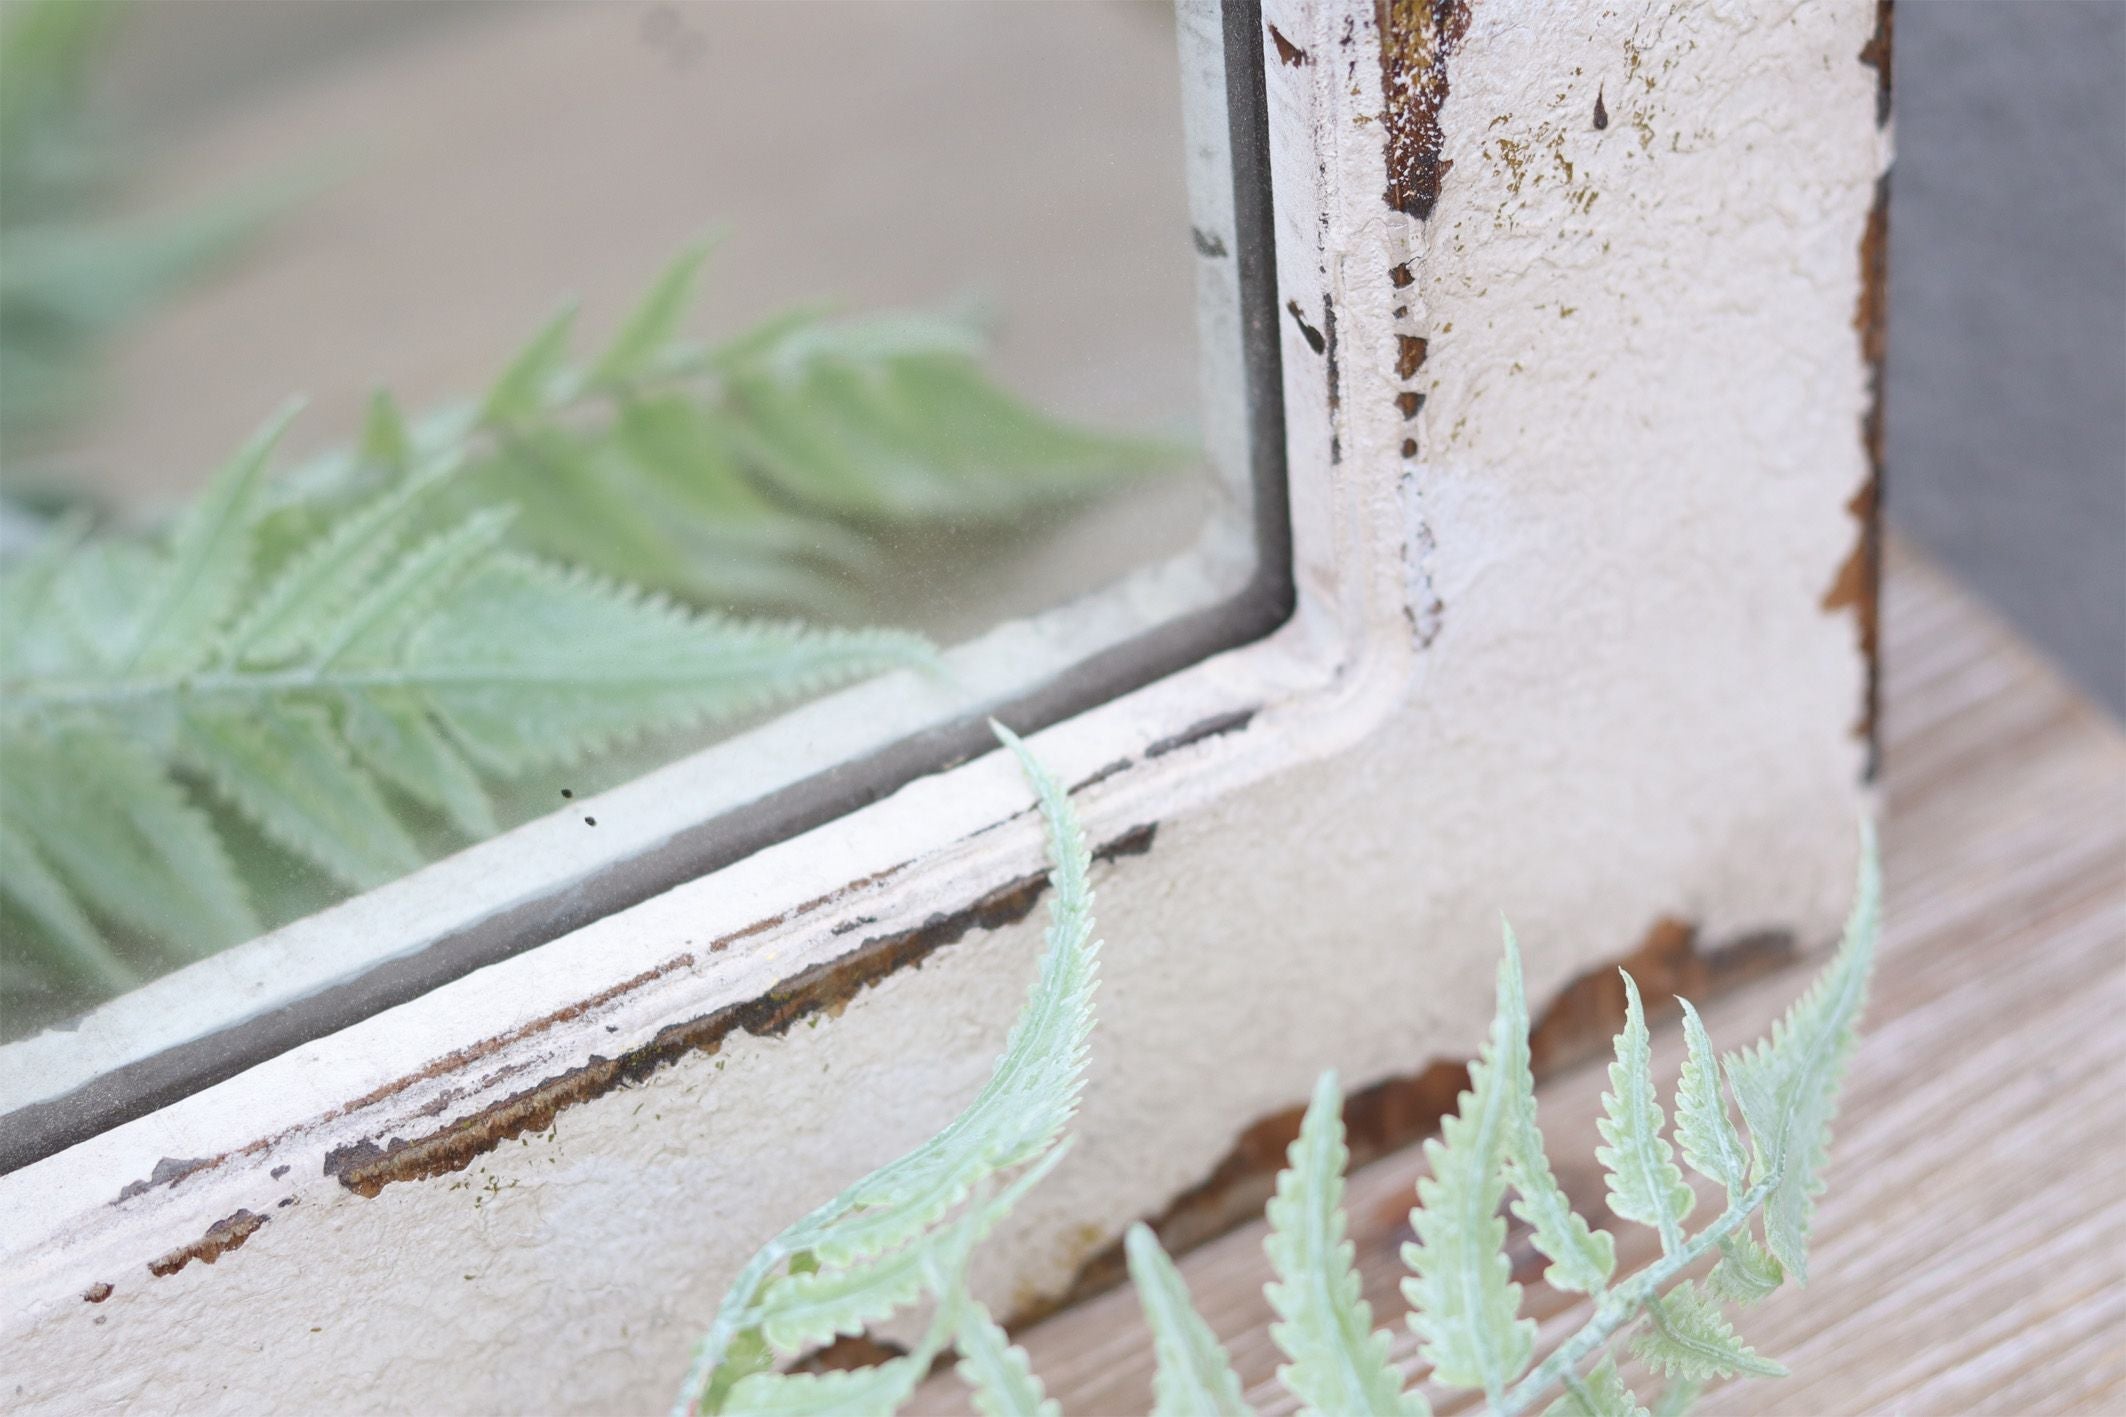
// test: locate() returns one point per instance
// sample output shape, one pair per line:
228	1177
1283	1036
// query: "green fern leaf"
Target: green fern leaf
289	774
1746	1272
1581	1259
299	608
1194	1376
1017	1117
209	561
1339	1363
1686	1337
647	333
392	734
35	641
1601	1393
1787	1086
997	1373
1705	1133
531	383
819	1305
385	442
1644	1182
28	882
371	632
610	663
98	808
1462	1297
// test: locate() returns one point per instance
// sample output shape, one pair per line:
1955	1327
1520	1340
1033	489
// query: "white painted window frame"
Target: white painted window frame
1200	763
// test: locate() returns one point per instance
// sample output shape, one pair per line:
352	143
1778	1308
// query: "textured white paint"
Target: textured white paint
1628	704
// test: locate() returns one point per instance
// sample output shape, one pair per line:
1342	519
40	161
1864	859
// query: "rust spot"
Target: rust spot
1410	351
168	1172
1876	55
1399	275
1288	53
1417	38
222	1236
1857	586
1313	336
1601	113
1409	403
96	1293
1399	1111
366	1167
1137	841
1212	727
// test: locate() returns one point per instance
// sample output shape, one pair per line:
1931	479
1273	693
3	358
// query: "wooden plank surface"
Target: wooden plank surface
1970	1255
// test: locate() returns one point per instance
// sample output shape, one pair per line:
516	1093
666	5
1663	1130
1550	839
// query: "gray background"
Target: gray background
2006	401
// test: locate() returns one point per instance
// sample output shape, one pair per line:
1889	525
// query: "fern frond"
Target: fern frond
209	561
1581	1259
1685	1336
1463	1301
1194	1376
97	807
1644	1182
362	658
998	1375
1339	1362
816	1306
1746	1272
528	386
646	335
1787	1086
30	884
1017	1117
1705	1133
1601	1393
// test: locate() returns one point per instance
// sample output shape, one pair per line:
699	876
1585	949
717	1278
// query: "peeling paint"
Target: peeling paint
1288	54
168	1172
1212	727
1417	38
366	1167
1876	55
1857	585
222	1236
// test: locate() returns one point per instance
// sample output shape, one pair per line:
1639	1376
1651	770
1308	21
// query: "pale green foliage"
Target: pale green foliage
1601	1393
1194	1378
377	659
996	1372
1465	1304
1644	1183
852	1259
76	264
1463	1300
1684	1335
1581	1259
798	465
344	664
1787	1086
1339	1362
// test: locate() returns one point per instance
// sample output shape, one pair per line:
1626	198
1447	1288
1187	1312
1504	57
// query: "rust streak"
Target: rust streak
1417	38
1857	585
1288	53
222	1236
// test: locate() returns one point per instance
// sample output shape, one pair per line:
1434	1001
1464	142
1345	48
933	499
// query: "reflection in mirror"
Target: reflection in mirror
425	426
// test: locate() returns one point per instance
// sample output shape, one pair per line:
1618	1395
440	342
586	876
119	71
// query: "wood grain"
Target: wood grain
1970	1255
